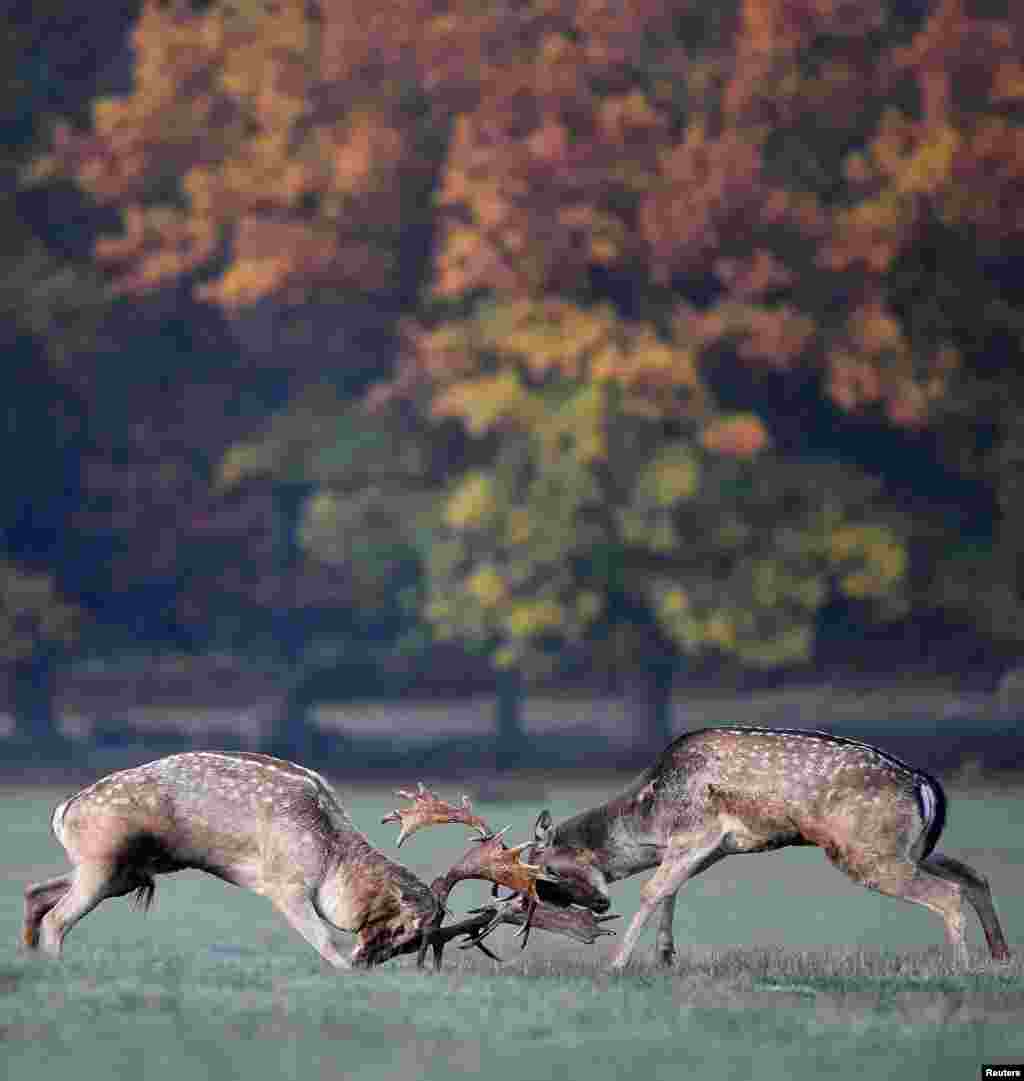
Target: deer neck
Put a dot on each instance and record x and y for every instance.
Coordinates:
(364, 887)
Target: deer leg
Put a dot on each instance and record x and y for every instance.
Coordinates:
(678, 865)
(975, 888)
(90, 883)
(666, 947)
(39, 899)
(914, 883)
(298, 909)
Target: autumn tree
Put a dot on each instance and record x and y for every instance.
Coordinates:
(632, 206)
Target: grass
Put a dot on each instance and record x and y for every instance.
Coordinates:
(787, 970)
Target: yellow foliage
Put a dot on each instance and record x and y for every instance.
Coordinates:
(534, 617)
(720, 630)
(879, 558)
(505, 657)
(472, 502)
(603, 250)
(198, 185)
(883, 214)
(859, 585)
(322, 507)
(588, 606)
(584, 419)
(873, 328)
(483, 402)
(519, 528)
(438, 610)
(554, 336)
(845, 544)
(244, 460)
(487, 586)
(929, 168)
(248, 280)
(671, 476)
(674, 601)
(107, 113)
(553, 48)
(888, 560)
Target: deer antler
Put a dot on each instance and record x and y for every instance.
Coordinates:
(575, 922)
(492, 860)
(429, 809)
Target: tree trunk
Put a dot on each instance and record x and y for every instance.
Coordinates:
(511, 740)
(648, 692)
(35, 680)
(295, 736)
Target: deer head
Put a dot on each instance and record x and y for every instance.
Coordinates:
(578, 880)
(400, 926)
(491, 860)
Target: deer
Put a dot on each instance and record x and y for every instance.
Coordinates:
(723, 791)
(278, 829)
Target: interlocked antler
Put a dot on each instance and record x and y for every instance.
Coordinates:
(491, 860)
(574, 922)
(579, 923)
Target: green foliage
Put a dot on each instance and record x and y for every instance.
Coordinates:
(672, 475)
(499, 557)
(728, 556)
(757, 560)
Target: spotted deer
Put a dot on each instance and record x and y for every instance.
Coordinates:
(278, 829)
(722, 791)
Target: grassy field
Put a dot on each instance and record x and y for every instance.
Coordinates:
(786, 970)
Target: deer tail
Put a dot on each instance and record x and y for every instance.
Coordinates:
(57, 818)
(144, 895)
(932, 803)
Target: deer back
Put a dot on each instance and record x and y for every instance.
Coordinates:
(790, 786)
(257, 821)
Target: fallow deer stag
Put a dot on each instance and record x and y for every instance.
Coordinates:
(277, 829)
(721, 791)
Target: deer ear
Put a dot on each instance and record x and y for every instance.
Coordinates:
(544, 830)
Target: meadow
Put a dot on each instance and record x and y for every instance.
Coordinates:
(786, 969)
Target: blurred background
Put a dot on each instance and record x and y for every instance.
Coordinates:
(486, 387)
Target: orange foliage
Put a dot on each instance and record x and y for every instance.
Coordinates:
(737, 437)
(771, 146)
